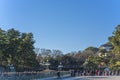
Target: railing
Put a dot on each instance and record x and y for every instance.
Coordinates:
(29, 75)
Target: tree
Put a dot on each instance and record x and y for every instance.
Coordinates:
(91, 63)
(115, 40)
(3, 45)
(27, 56)
(68, 61)
(92, 49)
(12, 49)
(17, 48)
(114, 62)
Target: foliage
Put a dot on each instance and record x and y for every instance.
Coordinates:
(115, 40)
(17, 48)
(89, 57)
(91, 63)
(93, 49)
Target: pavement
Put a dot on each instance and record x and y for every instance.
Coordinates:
(83, 78)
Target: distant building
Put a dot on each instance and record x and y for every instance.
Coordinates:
(106, 46)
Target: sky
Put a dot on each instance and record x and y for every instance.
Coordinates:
(66, 25)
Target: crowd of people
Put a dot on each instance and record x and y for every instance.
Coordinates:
(94, 73)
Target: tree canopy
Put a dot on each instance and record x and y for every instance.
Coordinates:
(115, 40)
(17, 48)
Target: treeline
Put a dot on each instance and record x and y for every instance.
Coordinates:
(69, 60)
(106, 56)
(17, 48)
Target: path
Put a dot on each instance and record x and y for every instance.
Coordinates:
(84, 78)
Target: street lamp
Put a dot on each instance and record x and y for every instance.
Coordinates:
(60, 66)
(11, 67)
(47, 64)
(59, 69)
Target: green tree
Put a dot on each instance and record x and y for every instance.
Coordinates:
(115, 40)
(92, 62)
(3, 46)
(12, 49)
(93, 49)
(26, 55)
(112, 64)
(17, 48)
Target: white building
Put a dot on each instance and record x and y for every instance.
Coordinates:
(107, 47)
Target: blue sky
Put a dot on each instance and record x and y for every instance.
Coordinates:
(67, 25)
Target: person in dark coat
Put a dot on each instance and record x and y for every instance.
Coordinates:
(58, 74)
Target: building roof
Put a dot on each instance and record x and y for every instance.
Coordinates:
(107, 45)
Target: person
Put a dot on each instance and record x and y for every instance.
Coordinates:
(74, 73)
(71, 73)
(97, 72)
(78, 71)
(58, 74)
